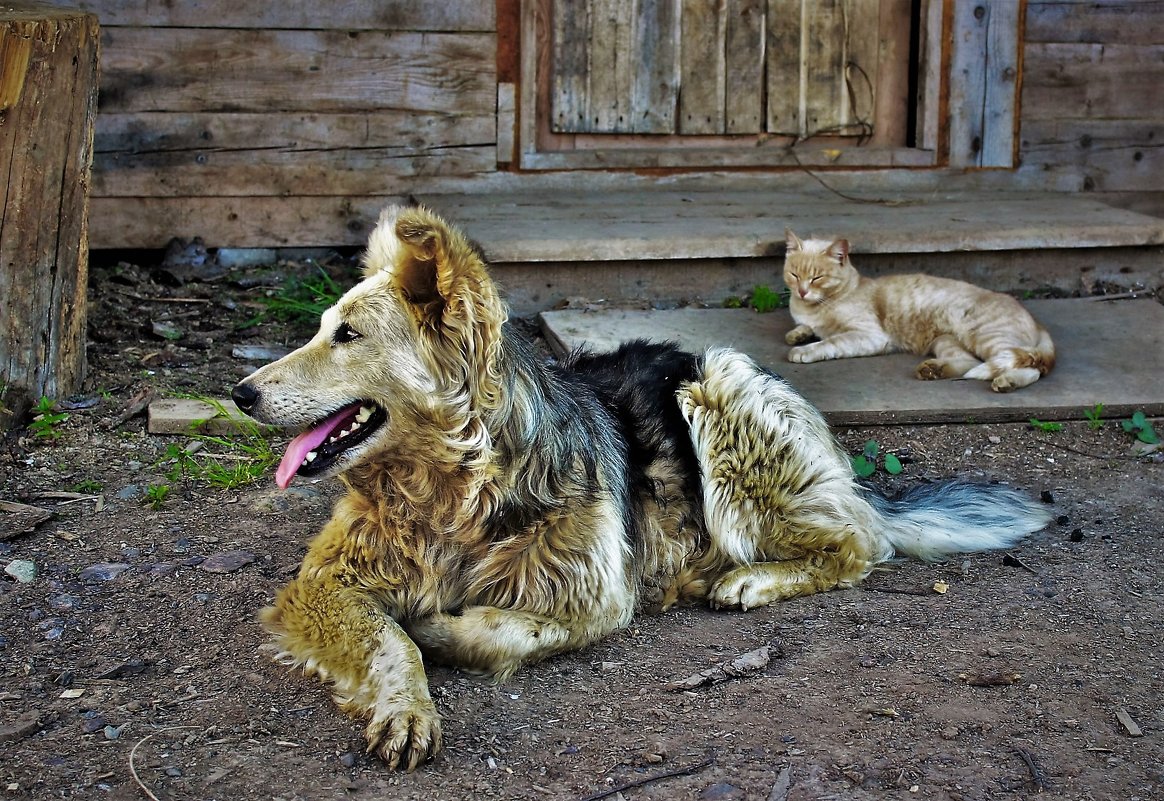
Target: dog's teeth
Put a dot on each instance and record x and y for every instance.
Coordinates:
(310, 457)
(364, 415)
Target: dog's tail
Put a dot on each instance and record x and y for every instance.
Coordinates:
(935, 521)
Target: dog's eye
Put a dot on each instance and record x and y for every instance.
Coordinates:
(345, 333)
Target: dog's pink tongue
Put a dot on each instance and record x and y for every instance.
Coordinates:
(303, 444)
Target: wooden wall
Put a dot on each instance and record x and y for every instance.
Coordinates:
(283, 123)
(1093, 100)
(291, 124)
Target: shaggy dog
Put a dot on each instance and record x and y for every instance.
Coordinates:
(501, 509)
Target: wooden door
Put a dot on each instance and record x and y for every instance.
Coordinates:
(675, 74)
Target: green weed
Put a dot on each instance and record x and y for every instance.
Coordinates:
(1047, 427)
(1141, 428)
(226, 462)
(765, 299)
(155, 495)
(87, 486)
(865, 463)
(1094, 417)
(302, 300)
(46, 419)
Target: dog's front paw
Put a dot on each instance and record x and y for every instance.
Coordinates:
(744, 588)
(405, 734)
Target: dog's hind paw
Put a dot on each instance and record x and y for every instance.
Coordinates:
(405, 734)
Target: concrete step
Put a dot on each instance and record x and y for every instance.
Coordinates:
(668, 246)
(1108, 351)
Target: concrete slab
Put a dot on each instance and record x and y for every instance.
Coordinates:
(1109, 352)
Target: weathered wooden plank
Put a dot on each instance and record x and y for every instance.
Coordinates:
(1092, 81)
(157, 153)
(1105, 155)
(1092, 338)
(512, 230)
(1003, 53)
(968, 81)
(383, 15)
(930, 74)
(1127, 22)
(783, 67)
(771, 155)
(823, 64)
(203, 70)
(701, 67)
(506, 123)
(864, 51)
(611, 53)
(891, 96)
(49, 100)
(570, 64)
(655, 91)
(744, 66)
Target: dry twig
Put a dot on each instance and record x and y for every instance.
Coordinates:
(684, 771)
(133, 752)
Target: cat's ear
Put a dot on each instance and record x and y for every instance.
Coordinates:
(792, 241)
(839, 250)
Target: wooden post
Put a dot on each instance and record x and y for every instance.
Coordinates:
(48, 101)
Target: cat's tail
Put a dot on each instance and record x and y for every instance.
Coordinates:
(935, 521)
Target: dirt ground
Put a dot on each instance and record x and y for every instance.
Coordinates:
(129, 665)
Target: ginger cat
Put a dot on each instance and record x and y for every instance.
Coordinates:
(970, 332)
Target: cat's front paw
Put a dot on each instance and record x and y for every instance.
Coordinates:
(798, 335)
(803, 355)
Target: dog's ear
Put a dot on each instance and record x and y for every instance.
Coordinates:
(383, 246)
(436, 266)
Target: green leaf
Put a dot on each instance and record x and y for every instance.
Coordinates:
(1139, 420)
(764, 299)
(1127, 426)
(871, 449)
(1045, 426)
(863, 467)
(1148, 436)
(892, 464)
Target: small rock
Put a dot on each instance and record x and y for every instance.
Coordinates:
(995, 440)
(349, 759)
(130, 667)
(246, 257)
(950, 733)
(128, 493)
(103, 571)
(259, 353)
(113, 732)
(227, 562)
(721, 791)
(174, 772)
(24, 726)
(93, 724)
(161, 569)
(65, 603)
(22, 570)
(164, 329)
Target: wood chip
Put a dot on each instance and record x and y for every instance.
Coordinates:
(741, 665)
(782, 786)
(1130, 726)
(20, 518)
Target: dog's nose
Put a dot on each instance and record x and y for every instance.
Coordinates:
(244, 396)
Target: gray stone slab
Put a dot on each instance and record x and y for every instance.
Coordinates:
(1109, 352)
(650, 225)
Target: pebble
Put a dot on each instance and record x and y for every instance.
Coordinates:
(227, 561)
(348, 759)
(65, 603)
(22, 570)
(24, 726)
(93, 724)
(113, 732)
(128, 493)
(103, 571)
(161, 569)
(721, 791)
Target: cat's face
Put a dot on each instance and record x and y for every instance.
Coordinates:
(816, 270)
